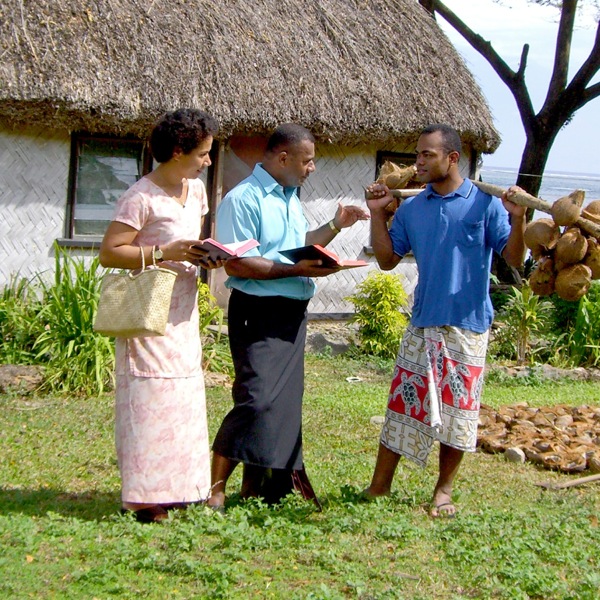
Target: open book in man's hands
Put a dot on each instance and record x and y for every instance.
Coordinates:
(218, 251)
(316, 252)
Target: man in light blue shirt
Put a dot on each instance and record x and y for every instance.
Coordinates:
(267, 317)
(452, 228)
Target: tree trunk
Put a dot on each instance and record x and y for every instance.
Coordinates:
(534, 158)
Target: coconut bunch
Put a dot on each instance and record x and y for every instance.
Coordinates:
(560, 437)
(568, 257)
(396, 177)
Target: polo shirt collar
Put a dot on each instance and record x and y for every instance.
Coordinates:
(463, 190)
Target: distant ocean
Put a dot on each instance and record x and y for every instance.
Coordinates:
(554, 185)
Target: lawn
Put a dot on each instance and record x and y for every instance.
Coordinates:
(61, 535)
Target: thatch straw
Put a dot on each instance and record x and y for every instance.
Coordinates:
(351, 70)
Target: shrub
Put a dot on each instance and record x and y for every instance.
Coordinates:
(215, 351)
(19, 324)
(378, 302)
(77, 358)
(524, 316)
(582, 340)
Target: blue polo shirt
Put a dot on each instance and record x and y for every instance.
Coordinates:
(452, 238)
(260, 208)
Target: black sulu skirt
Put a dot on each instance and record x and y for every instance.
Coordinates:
(267, 337)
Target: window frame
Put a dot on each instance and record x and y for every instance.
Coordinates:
(71, 239)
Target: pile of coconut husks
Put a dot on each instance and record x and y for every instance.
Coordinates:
(562, 438)
(566, 247)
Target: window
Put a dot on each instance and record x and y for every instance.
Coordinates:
(102, 169)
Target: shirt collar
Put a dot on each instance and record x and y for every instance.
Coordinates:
(269, 184)
(463, 190)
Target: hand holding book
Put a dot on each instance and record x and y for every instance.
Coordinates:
(328, 258)
(217, 251)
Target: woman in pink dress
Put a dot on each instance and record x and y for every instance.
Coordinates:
(160, 423)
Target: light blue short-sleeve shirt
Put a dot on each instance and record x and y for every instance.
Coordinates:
(453, 238)
(260, 208)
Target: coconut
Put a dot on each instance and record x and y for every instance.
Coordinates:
(573, 282)
(592, 212)
(571, 247)
(566, 210)
(541, 234)
(592, 257)
(542, 277)
(395, 176)
(593, 207)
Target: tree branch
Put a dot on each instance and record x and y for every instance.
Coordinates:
(515, 81)
(560, 71)
(589, 68)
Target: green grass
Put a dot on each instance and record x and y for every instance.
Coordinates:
(61, 535)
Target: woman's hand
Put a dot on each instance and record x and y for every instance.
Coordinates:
(185, 251)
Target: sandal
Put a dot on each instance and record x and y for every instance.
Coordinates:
(445, 510)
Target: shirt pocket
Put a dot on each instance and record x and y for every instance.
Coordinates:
(471, 233)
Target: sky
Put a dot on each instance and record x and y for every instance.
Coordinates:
(508, 25)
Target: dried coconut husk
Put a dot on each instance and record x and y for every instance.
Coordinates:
(594, 462)
(542, 277)
(541, 234)
(573, 282)
(566, 210)
(571, 247)
(592, 257)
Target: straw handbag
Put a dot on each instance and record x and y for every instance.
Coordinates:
(135, 305)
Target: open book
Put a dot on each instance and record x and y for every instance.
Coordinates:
(218, 251)
(316, 252)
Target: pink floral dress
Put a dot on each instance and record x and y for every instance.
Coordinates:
(160, 423)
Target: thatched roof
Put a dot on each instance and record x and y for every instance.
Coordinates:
(351, 70)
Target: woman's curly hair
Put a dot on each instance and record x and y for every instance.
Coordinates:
(182, 129)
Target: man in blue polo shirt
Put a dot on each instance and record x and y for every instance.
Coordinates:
(267, 315)
(452, 228)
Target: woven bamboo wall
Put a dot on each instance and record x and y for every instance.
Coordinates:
(34, 167)
(341, 176)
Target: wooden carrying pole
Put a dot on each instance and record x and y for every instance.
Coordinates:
(550, 485)
(406, 193)
(529, 201)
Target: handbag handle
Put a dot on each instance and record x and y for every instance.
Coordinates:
(131, 274)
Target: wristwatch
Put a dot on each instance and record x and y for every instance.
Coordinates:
(158, 254)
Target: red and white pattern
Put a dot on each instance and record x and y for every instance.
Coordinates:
(435, 392)
(160, 426)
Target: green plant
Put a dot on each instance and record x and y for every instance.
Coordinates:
(215, 352)
(524, 316)
(582, 341)
(78, 359)
(378, 302)
(19, 324)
